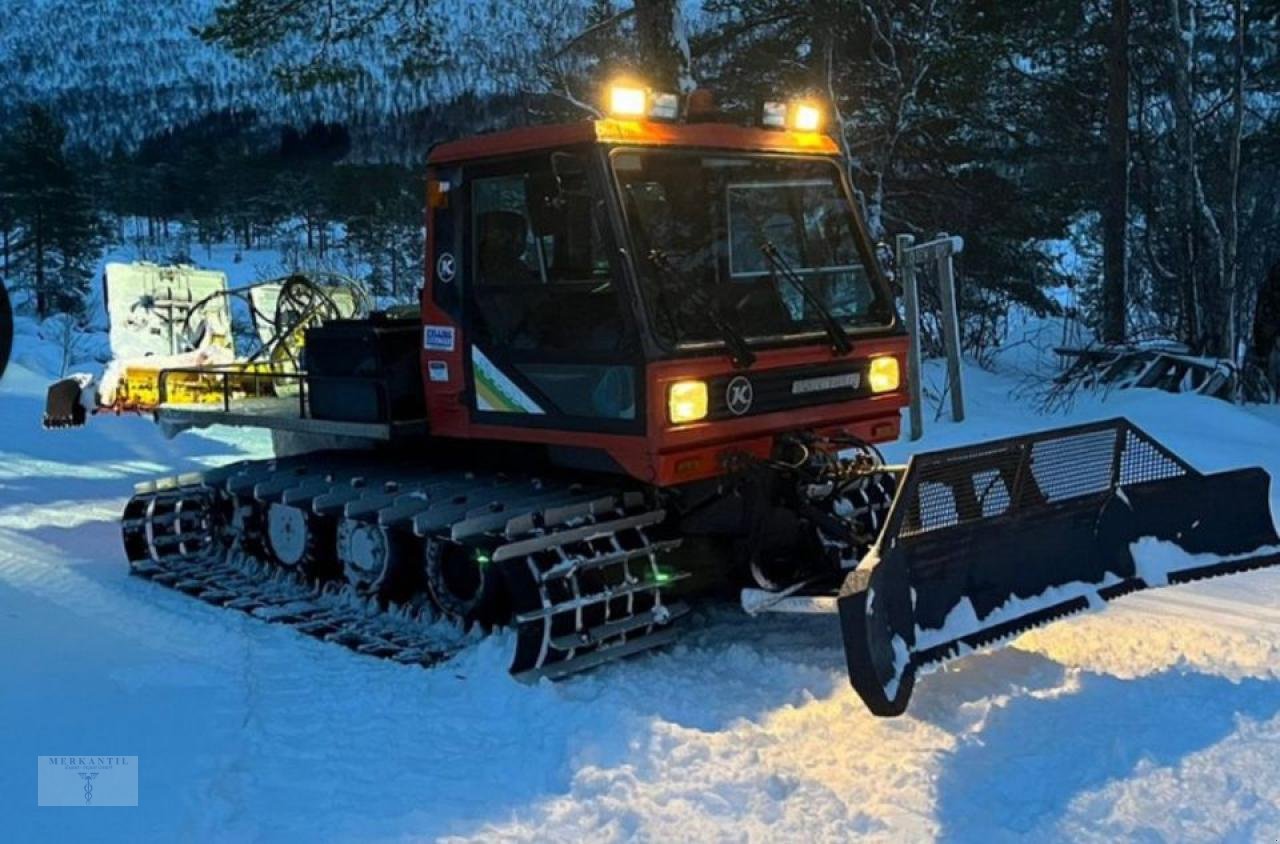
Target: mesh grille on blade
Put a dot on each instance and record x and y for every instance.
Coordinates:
(1143, 460)
(1020, 475)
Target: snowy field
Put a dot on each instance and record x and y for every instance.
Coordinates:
(1157, 720)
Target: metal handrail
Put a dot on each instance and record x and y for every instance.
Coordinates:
(224, 372)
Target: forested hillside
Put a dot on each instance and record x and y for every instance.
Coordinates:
(1142, 139)
(116, 71)
(119, 71)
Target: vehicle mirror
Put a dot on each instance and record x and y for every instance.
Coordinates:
(887, 260)
(544, 202)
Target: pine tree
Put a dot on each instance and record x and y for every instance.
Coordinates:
(57, 231)
(960, 116)
(381, 211)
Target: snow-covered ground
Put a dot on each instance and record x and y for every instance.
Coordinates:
(1157, 720)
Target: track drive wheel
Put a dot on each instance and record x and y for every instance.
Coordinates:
(463, 583)
(301, 541)
(378, 561)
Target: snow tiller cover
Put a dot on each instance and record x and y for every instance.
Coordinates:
(986, 541)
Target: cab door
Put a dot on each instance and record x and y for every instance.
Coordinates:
(550, 338)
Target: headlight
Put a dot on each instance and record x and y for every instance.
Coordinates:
(884, 375)
(687, 401)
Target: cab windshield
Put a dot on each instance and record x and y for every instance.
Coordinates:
(716, 237)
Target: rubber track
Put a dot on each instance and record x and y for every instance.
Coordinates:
(564, 546)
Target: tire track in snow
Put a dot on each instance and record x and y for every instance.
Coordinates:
(60, 514)
(22, 467)
(119, 603)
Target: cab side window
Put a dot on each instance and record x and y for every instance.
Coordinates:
(502, 234)
(543, 280)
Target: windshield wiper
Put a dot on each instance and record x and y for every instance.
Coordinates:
(739, 350)
(839, 340)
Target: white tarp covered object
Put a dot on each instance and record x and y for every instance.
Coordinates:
(155, 310)
(177, 316)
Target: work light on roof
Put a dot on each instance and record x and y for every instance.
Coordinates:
(774, 115)
(664, 106)
(627, 100)
(797, 115)
(631, 100)
(806, 117)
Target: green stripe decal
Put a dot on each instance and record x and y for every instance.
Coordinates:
(496, 392)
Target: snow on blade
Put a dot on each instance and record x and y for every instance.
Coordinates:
(1156, 559)
(963, 620)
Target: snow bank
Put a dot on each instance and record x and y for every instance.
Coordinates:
(1157, 720)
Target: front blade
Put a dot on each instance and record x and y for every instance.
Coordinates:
(987, 541)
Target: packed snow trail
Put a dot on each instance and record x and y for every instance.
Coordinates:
(1157, 719)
